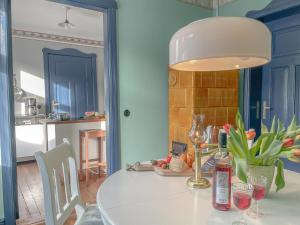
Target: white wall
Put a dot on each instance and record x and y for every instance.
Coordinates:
(28, 65)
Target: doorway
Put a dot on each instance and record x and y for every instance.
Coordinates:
(111, 107)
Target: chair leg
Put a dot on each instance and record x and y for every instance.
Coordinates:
(87, 164)
(80, 158)
(99, 154)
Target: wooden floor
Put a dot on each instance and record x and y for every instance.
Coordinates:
(30, 194)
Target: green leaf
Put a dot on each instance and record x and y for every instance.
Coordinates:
(279, 180)
(241, 169)
(273, 127)
(239, 122)
(293, 125)
(280, 127)
(266, 142)
(237, 142)
(286, 154)
(264, 128)
(273, 150)
(244, 141)
(235, 148)
(290, 134)
(256, 146)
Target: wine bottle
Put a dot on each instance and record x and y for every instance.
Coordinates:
(222, 176)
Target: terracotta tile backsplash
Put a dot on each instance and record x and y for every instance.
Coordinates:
(214, 94)
(208, 79)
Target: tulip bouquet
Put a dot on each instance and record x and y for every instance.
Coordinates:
(267, 150)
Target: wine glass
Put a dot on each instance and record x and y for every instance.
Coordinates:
(242, 194)
(259, 192)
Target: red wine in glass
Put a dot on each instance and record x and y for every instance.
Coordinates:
(259, 192)
(242, 200)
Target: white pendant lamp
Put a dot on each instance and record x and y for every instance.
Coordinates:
(220, 43)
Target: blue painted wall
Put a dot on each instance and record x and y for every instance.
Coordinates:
(144, 30)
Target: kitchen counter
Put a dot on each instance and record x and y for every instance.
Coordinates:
(21, 120)
(92, 119)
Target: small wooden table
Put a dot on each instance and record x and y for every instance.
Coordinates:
(84, 136)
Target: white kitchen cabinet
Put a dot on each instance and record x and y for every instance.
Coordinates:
(29, 139)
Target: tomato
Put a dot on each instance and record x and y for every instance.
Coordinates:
(164, 166)
(168, 159)
(183, 157)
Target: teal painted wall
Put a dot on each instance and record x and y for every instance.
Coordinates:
(241, 7)
(144, 30)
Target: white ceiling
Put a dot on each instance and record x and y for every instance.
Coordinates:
(43, 16)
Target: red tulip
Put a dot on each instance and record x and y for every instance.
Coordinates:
(288, 142)
(296, 152)
(227, 127)
(250, 134)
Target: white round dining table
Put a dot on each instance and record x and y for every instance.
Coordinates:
(146, 198)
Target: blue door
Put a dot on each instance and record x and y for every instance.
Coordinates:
(71, 85)
(255, 91)
(281, 77)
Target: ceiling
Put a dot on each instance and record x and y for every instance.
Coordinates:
(209, 4)
(43, 16)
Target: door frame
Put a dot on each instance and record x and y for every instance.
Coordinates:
(7, 120)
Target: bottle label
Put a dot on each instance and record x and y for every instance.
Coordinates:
(222, 187)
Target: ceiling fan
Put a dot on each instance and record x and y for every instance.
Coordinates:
(66, 24)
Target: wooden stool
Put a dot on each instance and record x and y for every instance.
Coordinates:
(84, 136)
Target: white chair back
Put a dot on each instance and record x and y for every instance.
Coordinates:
(60, 198)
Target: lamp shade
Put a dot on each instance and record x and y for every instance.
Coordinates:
(221, 43)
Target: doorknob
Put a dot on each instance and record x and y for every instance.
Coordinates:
(256, 108)
(265, 108)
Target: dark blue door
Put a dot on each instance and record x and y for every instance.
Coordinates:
(70, 82)
(255, 80)
(281, 77)
(278, 89)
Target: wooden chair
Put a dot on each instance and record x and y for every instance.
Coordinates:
(60, 202)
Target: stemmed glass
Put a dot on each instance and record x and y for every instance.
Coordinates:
(198, 136)
(242, 194)
(259, 192)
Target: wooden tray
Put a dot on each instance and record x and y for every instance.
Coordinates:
(187, 173)
(168, 172)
